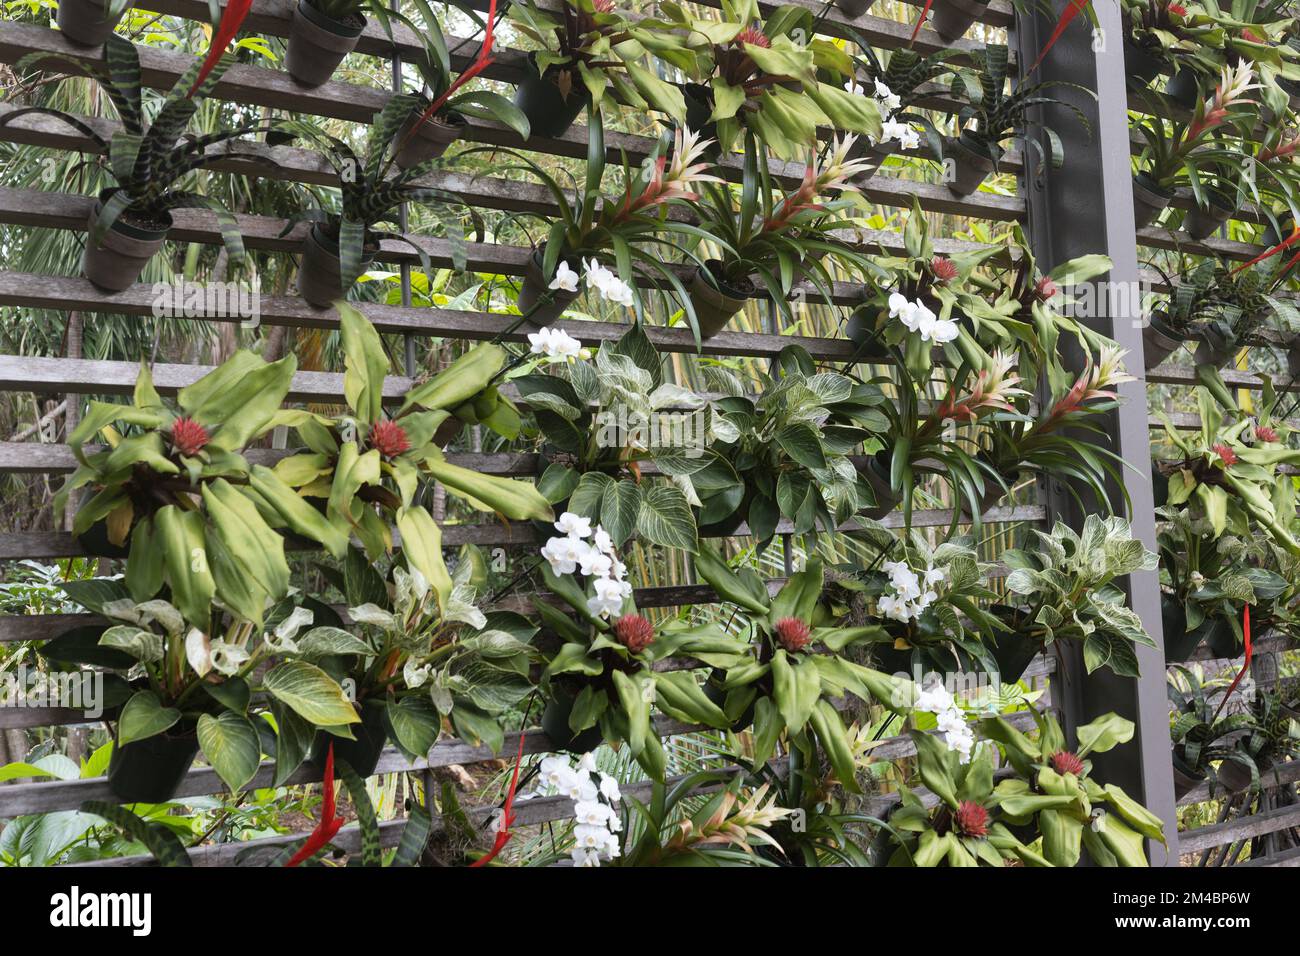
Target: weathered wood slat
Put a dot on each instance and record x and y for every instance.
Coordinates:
(62, 292)
(1285, 775)
(61, 544)
(1239, 828)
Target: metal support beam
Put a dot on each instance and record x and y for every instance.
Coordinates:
(1086, 206)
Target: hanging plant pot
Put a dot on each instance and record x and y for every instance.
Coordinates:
(853, 8)
(876, 473)
(318, 44)
(1233, 776)
(714, 692)
(1182, 87)
(95, 540)
(699, 107)
(1139, 65)
(1271, 237)
(1202, 223)
(1149, 200)
(716, 300)
(1215, 349)
(429, 140)
(952, 18)
(873, 155)
(971, 164)
(534, 287)
(550, 112)
(152, 770)
(1180, 644)
(85, 21)
(1185, 778)
(555, 724)
(1013, 651)
(320, 277)
(862, 329)
(1159, 340)
(362, 754)
(1222, 640)
(115, 262)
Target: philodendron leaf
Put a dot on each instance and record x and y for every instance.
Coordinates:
(144, 716)
(312, 693)
(145, 646)
(413, 724)
(666, 518)
(230, 743)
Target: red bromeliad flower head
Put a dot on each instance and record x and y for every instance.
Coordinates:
(1045, 289)
(1226, 455)
(634, 632)
(1065, 762)
(389, 439)
(752, 35)
(188, 436)
(971, 819)
(943, 269)
(1264, 433)
(1177, 9)
(793, 634)
(1250, 36)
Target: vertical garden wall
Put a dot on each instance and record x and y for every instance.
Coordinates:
(912, 419)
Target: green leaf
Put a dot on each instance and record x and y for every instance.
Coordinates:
(666, 518)
(620, 506)
(231, 745)
(413, 724)
(144, 716)
(365, 364)
(312, 693)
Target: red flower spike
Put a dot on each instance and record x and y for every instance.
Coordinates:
(943, 269)
(481, 63)
(1245, 664)
(634, 632)
(1269, 253)
(507, 814)
(1046, 288)
(1065, 762)
(1075, 8)
(1226, 454)
(1250, 36)
(1178, 9)
(1264, 433)
(751, 35)
(231, 20)
(793, 634)
(925, 12)
(188, 436)
(329, 825)
(389, 438)
(971, 819)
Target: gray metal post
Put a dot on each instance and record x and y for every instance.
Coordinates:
(1087, 207)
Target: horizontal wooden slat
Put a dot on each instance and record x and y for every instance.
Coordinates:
(1239, 828)
(1285, 775)
(61, 292)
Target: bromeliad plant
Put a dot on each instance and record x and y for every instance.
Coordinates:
(363, 469)
(1231, 466)
(770, 239)
(600, 420)
(340, 244)
(996, 114)
(149, 160)
(1204, 737)
(1064, 590)
(173, 493)
(766, 78)
(184, 686)
(592, 51)
(601, 680)
(794, 668)
(785, 453)
(1053, 792)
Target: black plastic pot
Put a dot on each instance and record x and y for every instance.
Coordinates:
(318, 44)
(428, 141)
(699, 107)
(1202, 223)
(555, 724)
(84, 21)
(1185, 778)
(1233, 776)
(95, 541)
(1149, 200)
(1182, 87)
(714, 300)
(152, 770)
(1222, 640)
(115, 263)
(1159, 341)
(873, 155)
(361, 754)
(853, 8)
(534, 287)
(1139, 65)
(1180, 644)
(1215, 351)
(952, 18)
(549, 112)
(1014, 651)
(862, 330)
(320, 277)
(714, 692)
(877, 475)
(971, 164)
